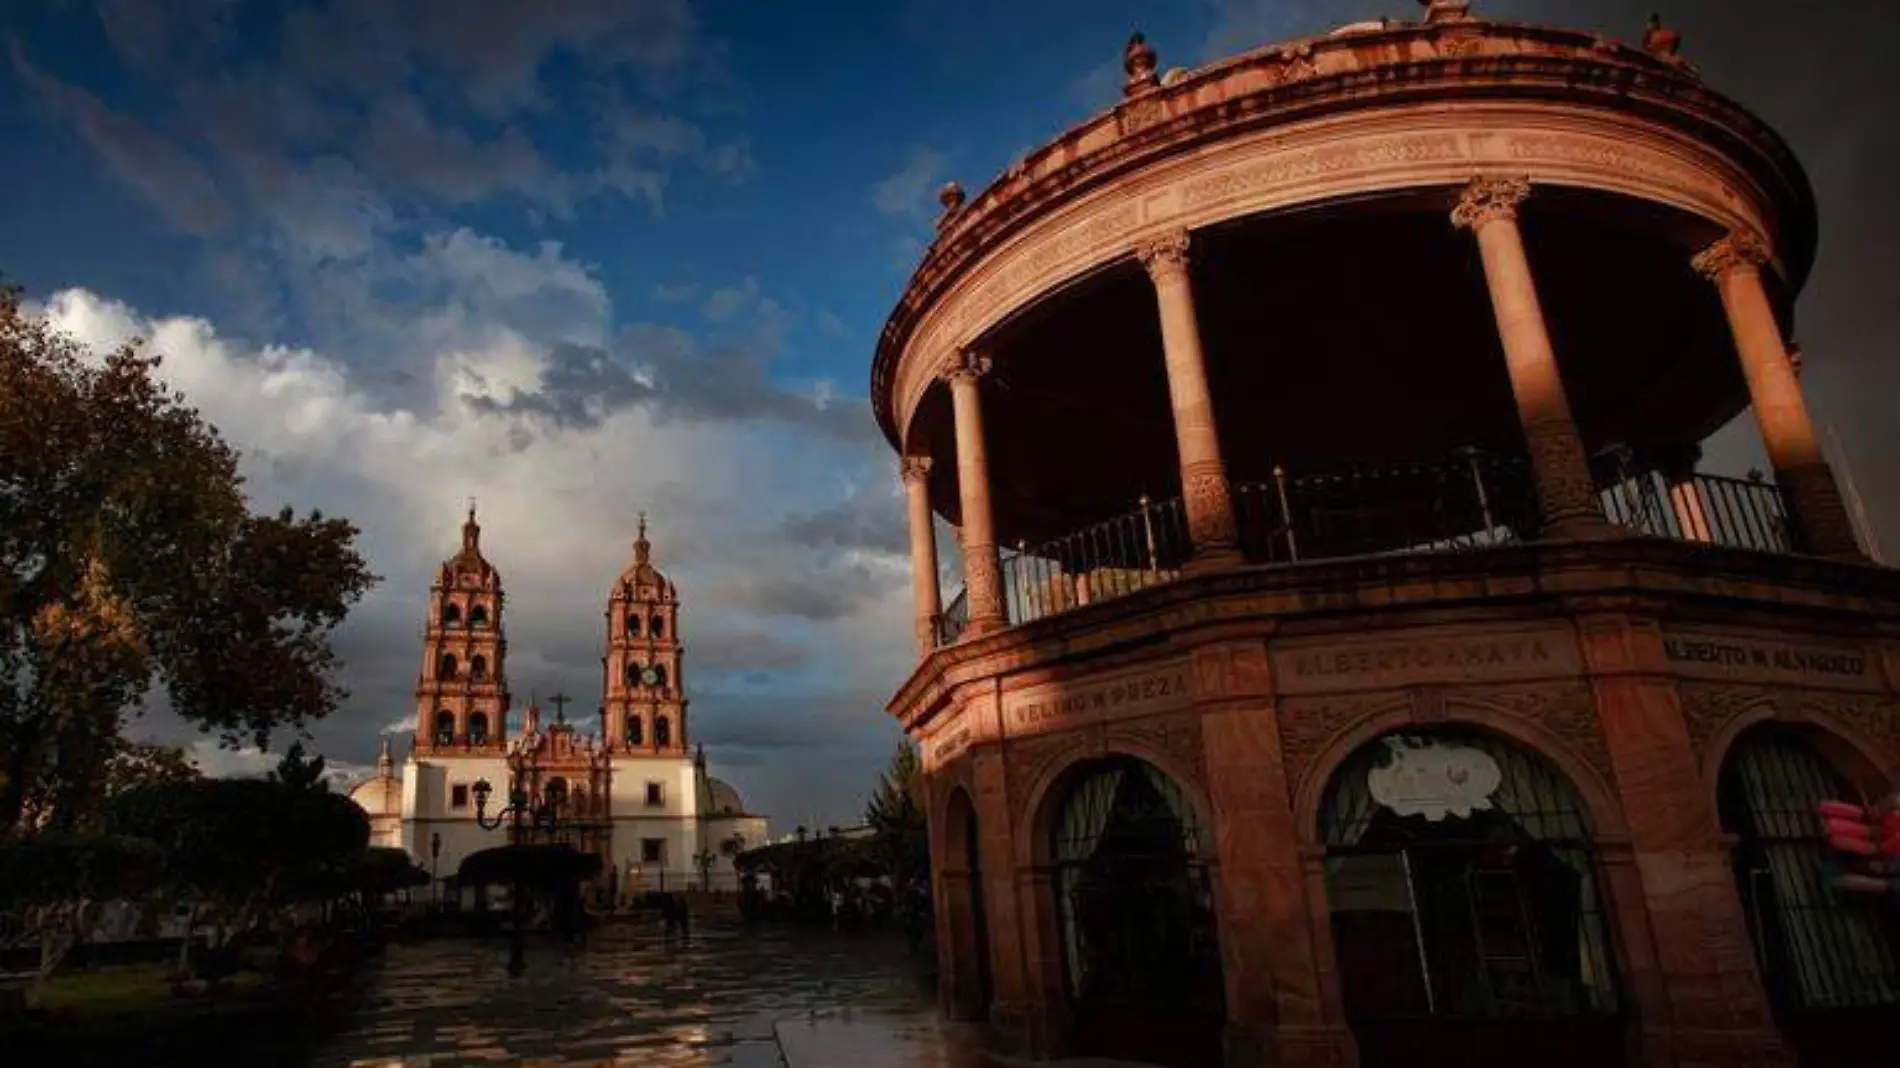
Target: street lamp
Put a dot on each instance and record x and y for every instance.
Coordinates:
(435, 854)
(519, 810)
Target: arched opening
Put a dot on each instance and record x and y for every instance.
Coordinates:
(659, 676)
(636, 731)
(451, 615)
(1467, 917)
(662, 731)
(478, 616)
(632, 673)
(478, 667)
(969, 929)
(448, 667)
(633, 624)
(1828, 960)
(444, 727)
(657, 626)
(477, 728)
(1135, 909)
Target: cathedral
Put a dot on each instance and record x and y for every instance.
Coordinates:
(633, 789)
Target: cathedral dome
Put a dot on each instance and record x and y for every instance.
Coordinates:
(725, 801)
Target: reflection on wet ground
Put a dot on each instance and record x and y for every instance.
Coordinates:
(634, 997)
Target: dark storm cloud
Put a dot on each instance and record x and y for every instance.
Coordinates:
(819, 595)
(873, 521)
(667, 370)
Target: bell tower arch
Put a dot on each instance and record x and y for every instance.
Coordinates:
(462, 693)
(644, 682)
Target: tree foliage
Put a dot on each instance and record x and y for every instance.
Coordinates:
(128, 557)
(240, 849)
(896, 816)
(52, 886)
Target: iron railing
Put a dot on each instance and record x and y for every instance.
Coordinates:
(1740, 513)
(1473, 501)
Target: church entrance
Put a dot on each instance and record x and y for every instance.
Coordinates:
(1466, 916)
(1136, 910)
(1828, 960)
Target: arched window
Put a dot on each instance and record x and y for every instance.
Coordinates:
(659, 675)
(448, 666)
(1819, 951)
(1135, 909)
(477, 728)
(636, 733)
(478, 616)
(444, 727)
(478, 667)
(657, 626)
(662, 731)
(451, 615)
(633, 624)
(633, 673)
(1463, 886)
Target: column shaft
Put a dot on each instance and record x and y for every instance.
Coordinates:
(1204, 485)
(982, 567)
(1774, 391)
(925, 592)
(1565, 490)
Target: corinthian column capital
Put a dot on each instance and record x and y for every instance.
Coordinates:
(1166, 256)
(1741, 248)
(915, 469)
(1489, 198)
(969, 364)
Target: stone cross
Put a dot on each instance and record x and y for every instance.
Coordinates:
(559, 701)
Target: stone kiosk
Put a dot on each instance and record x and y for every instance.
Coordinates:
(1351, 664)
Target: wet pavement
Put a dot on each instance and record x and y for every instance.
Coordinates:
(635, 997)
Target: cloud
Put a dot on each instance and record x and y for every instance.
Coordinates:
(170, 178)
(873, 521)
(562, 441)
(726, 302)
(906, 192)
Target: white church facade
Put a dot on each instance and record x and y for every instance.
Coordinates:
(633, 789)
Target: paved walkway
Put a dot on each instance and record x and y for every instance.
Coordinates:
(631, 998)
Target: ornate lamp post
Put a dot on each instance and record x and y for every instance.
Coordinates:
(519, 811)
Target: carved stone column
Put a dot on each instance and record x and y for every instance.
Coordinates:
(923, 553)
(982, 567)
(1677, 467)
(1774, 390)
(1565, 490)
(1204, 486)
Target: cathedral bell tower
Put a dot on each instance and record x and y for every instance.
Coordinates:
(462, 694)
(645, 706)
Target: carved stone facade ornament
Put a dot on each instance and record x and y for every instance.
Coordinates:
(1741, 248)
(1562, 471)
(1307, 724)
(1138, 63)
(1165, 257)
(1566, 712)
(1210, 508)
(1490, 198)
(1178, 736)
(968, 365)
(1434, 780)
(915, 469)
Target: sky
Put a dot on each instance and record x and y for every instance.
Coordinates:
(579, 259)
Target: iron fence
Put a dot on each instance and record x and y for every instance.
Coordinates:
(1739, 513)
(1473, 501)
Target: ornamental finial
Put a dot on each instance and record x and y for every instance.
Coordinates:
(1139, 61)
(1663, 42)
(1446, 10)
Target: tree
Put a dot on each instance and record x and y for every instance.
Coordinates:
(128, 557)
(135, 764)
(300, 772)
(241, 849)
(52, 886)
(896, 817)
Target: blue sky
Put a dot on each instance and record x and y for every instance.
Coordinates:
(579, 259)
